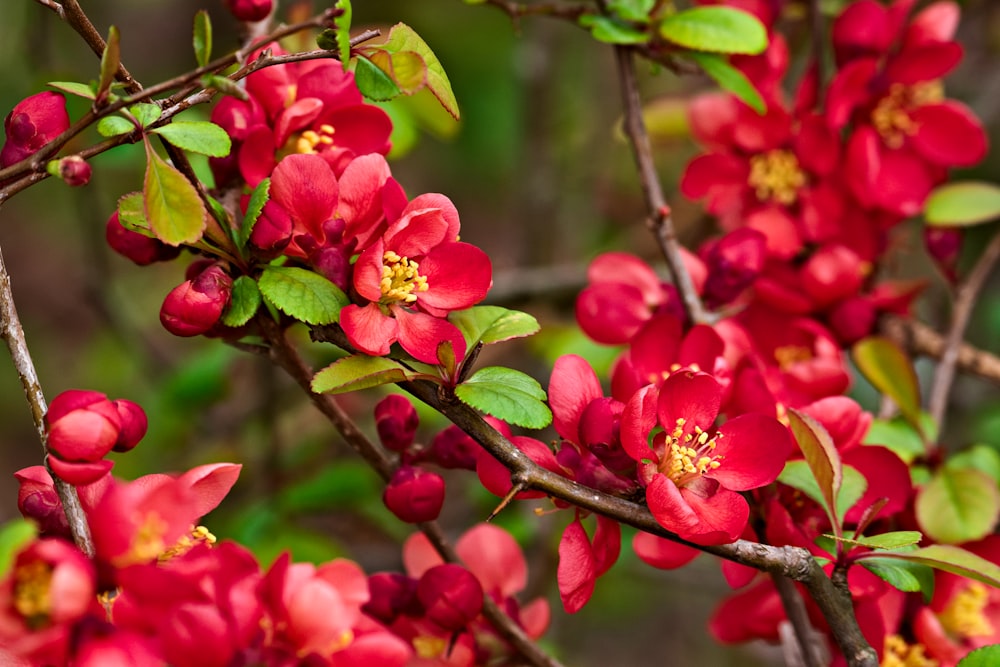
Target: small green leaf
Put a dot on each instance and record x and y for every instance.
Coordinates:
(73, 88)
(730, 79)
(893, 540)
(14, 536)
(373, 82)
(358, 371)
(403, 38)
(963, 204)
(492, 324)
(898, 435)
(112, 126)
(145, 113)
(225, 85)
(202, 37)
(243, 303)
(632, 10)
(327, 39)
(823, 458)
(983, 458)
(958, 506)
(986, 656)
(797, 475)
(716, 29)
(890, 371)
(110, 60)
(506, 394)
(907, 577)
(611, 30)
(258, 198)
(302, 294)
(198, 136)
(175, 212)
(132, 214)
(949, 558)
(343, 25)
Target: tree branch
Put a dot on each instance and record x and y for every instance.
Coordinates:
(923, 340)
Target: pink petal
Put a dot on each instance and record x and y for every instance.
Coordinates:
(369, 329)
(458, 276)
(848, 90)
(611, 313)
(638, 419)
(329, 82)
(490, 553)
(256, 158)
(752, 450)
(714, 175)
(572, 387)
(924, 63)
(607, 544)
(368, 271)
(576, 572)
(305, 187)
(210, 484)
(949, 134)
(903, 182)
(779, 229)
(662, 553)
(716, 519)
(296, 117)
(654, 348)
(419, 555)
(937, 22)
(360, 202)
(420, 334)
(712, 117)
(693, 397)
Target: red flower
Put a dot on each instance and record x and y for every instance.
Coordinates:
(412, 277)
(693, 472)
(195, 306)
(34, 122)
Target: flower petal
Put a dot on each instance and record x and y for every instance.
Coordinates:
(572, 387)
(752, 450)
(949, 134)
(692, 397)
(576, 573)
(369, 329)
(420, 334)
(458, 276)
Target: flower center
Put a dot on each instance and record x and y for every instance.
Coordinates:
(964, 617)
(900, 654)
(429, 647)
(776, 176)
(400, 279)
(148, 544)
(310, 140)
(31, 592)
(789, 355)
(197, 535)
(891, 116)
(657, 377)
(689, 455)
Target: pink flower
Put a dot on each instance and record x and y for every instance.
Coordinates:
(34, 122)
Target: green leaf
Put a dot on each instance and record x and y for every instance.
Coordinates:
(983, 458)
(893, 540)
(492, 324)
(907, 577)
(258, 198)
(632, 10)
(716, 29)
(963, 204)
(172, 206)
(73, 88)
(202, 40)
(373, 82)
(506, 394)
(403, 38)
(302, 294)
(132, 214)
(611, 30)
(327, 40)
(145, 113)
(358, 371)
(890, 371)
(823, 458)
(224, 85)
(797, 475)
(898, 435)
(958, 506)
(243, 303)
(14, 536)
(730, 79)
(949, 558)
(110, 60)
(986, 656)
(198, 136)
(343, 25)
(406, 69)
(112, 126)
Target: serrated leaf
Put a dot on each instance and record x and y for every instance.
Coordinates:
(403, 38)
(952, 559)
(890, 371)
(73, 88)
(632, 10)
(506, 394)
(893, 540)
(730, 79)
(797, 474)
(302, 294)
(225, 85)
(983, 458)
(202, 39)
(958, 506)
(716, 29)
(145, 113)
(358, 371)
(110, 60)
(898, 435)
(243, 303)
(492, 324)
(373, 82)
(610, 30)
(132, 214)
(343, 25)
(907, 577)
(198, 136)
(112, 126)
(14, 536)
(963, 204)
(823, 458)
(260, 195)
(172, 206)
(986, 656)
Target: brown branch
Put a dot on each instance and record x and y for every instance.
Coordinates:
(923, 340)
(965, 300)
(13, 335)
(798, 617)
(661, 221)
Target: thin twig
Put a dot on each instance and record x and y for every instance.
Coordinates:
(660, 217)
(921, 339)
(965, 300)
(13, 335)
(798, 617)
(54, 6)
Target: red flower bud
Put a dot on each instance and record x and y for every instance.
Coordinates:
(414, 495)
(451, 595)
(134, 424)
(396, 421)
(83, 426)
(250, 10)
(392, 594)
(34, 122)
(137, 247)
(195, 306)
(833, 273)
(733, 263)
(852, 319)
(944, 245)
(37, 500)
(73, 170)
(453, 448)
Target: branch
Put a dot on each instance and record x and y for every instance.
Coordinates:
(923, 340)
(965, 300)
(74, 15)
(660, 219)
(13, 335)
(798, 617)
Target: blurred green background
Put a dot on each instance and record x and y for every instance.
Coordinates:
(543, 181)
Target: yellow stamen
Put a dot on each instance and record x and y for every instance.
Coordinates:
(400, 279)
(891, 116)
(198, 535)
(689, 455)
(310, 140)
(429, 647)
(31, 592)
(964, 617)
(898, 653)
(776, 176)
(148, 543)
(791, 354)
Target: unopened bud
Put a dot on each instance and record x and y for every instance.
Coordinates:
(451, 595)
(414, 495)
(83, 426)
(37, 500)
(134, 424)
(73, 170)
(733, 263)
(141, 249)
(396, 422)
(833, 273)
(250, 10)
(392, 594)
(195, 306)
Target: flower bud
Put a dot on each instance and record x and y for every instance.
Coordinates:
(733, 263)
(37, 500)
(833, 273)
(453, 448)
(451, 595)
(134, 424)
(34, 122)
(79, 474)
(250, 10)
(141, 249)
(195, 306)
(414, 495)
(396, 422)
(83, 426)
(944, 245)
(852, 319)
(392, 594)
(73, 170)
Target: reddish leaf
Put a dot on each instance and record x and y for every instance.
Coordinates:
(823, 459)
